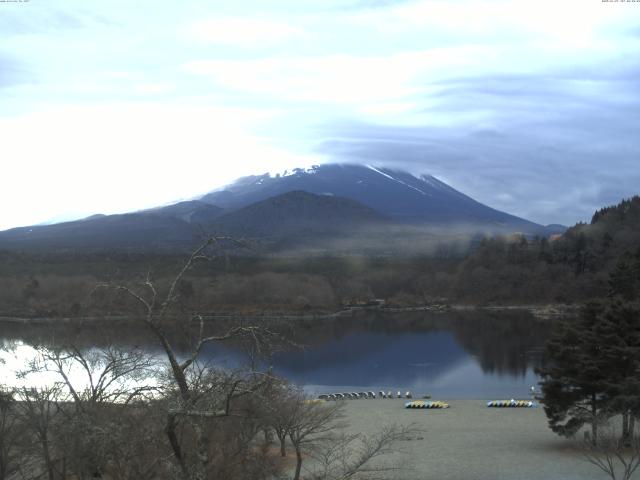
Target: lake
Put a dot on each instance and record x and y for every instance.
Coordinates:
(453, 355)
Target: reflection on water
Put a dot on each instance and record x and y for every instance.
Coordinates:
(455, 355)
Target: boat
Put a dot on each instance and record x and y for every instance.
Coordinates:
(425, 404)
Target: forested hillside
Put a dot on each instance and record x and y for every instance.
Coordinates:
(568, 268)
(571, 268)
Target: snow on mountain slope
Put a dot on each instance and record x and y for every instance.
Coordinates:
(396, 194)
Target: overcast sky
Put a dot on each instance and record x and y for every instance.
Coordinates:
(532, 107)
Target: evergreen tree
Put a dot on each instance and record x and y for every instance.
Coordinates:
(574, 379)
(593, 364)
(619, 331)
(621, 335)
(624, 280)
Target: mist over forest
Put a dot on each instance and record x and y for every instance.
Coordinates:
(326, 275)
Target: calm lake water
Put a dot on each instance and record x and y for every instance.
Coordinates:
(452, 355)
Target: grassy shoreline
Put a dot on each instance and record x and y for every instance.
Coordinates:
(472, 442)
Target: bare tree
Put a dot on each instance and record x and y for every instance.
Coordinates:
(10, 435)
(97, 375)
(617, 457)
(188, 379)
(312, 423)
(39, 410)
(317, 431)
(356, 456)
(280, 401)
(137, 448)
(80, 423)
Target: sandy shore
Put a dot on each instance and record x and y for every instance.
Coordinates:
(472, 442)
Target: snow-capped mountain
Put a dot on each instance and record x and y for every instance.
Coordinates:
(398, 195)
(321, 202)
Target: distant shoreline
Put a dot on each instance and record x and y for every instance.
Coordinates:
(545, 311)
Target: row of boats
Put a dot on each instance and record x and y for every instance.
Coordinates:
(426, 404)
(493, 403)
(358, 395)
(513, 403)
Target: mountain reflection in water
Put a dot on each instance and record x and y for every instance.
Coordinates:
(451, 355)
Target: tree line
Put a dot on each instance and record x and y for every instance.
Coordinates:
(571, 268)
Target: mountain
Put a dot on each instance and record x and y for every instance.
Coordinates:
(397, 195)
(192, 211)
(286, 219)
(171, 227)
(299, 214)
(364, 203)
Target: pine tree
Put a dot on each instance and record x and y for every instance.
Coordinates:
(619, 329)
(624, 280)
(593, 364)
(574, 379)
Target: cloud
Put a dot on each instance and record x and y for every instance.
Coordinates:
(12, 72)
(551, 149)
(242, 31)
(340, 79)
(371, 4)
(496, 19)
(44, 19)
(531, 107)
(123, 157)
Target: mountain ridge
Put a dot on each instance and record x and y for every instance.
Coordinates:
(398, 195)
(332, 199)
(298, 213)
